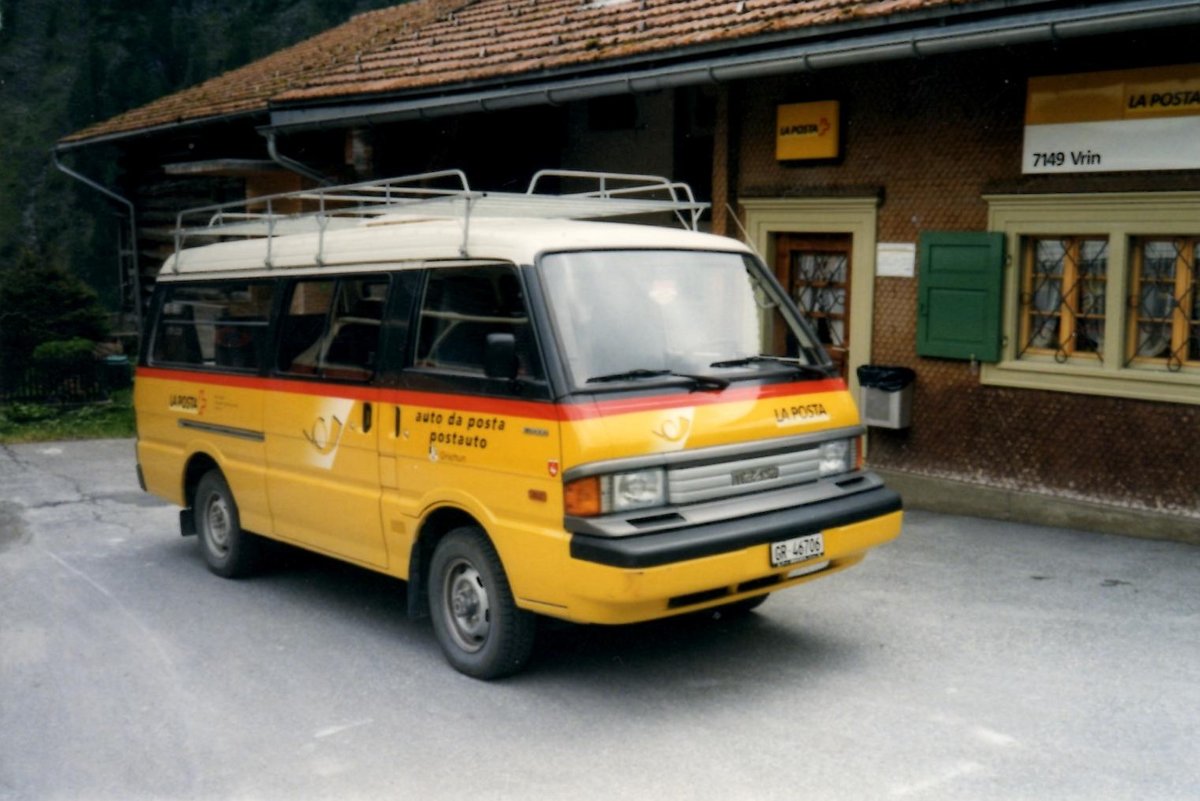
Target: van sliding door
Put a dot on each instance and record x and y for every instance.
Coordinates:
(322, 418)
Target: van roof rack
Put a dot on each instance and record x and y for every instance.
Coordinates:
(444, 193)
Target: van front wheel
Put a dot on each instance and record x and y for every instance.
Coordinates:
(228, 550)
(477, 623)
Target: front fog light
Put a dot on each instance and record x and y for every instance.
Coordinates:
(837, 456)
(638, 490)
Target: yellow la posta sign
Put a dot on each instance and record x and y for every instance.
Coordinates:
(806, 131)
(1140, 119)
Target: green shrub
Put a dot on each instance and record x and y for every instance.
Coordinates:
(64, 354)
(67, 367)
(42, 301)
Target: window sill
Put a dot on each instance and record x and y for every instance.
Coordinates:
(1141, 383)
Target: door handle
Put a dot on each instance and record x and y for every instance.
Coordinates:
(367, 417)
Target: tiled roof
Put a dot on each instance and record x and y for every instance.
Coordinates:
(506, 38)
(249, 89)
(427, 44)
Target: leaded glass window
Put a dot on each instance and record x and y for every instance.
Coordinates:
(1065, 282)
(1164, 321)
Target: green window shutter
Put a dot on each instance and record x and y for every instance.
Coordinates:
(959, 295)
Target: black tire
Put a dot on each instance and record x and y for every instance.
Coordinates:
(228, 550)
(481, 631)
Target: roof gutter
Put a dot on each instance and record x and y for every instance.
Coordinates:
(290, 163)
(929, 40)
(121, 137)
(129, 208)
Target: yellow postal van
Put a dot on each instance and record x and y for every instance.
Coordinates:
(519, 410)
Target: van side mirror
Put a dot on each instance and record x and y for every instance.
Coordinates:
(500, 356)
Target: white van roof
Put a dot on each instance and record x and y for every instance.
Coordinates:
(405, 221)
(396, 240)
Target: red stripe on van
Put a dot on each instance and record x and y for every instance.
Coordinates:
(608, 408)
(584, 410)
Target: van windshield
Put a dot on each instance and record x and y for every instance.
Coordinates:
(644, 315)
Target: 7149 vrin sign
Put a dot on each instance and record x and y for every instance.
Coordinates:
(1147, 119)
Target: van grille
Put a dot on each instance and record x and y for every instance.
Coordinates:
(730, 479)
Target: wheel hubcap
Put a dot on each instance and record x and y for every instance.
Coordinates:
(217, 523)
(468, 612)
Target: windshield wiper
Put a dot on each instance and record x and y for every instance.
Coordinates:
(701, 381)
(627, 375)
(812, 370)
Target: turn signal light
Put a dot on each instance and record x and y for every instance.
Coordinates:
(581, 498)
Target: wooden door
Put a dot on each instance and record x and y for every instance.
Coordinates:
(815, 270)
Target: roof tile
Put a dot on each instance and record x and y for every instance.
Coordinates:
(427, 44)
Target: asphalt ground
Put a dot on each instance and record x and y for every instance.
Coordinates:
(970, 659)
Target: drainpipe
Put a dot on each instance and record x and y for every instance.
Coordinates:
(133, 252)
(291, 164)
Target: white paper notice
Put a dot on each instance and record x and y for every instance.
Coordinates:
(896, 260)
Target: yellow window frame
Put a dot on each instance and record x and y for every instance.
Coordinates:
(1074, 304)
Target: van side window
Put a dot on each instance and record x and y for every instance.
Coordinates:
(218, 325)
(331, 328)
(461, 307)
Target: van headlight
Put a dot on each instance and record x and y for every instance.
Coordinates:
(616, 492)
(838, 456)
(639, 489)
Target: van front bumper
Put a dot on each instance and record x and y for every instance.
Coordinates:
(632, 579)
(694, 542)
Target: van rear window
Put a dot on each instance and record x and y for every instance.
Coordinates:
(219, 324)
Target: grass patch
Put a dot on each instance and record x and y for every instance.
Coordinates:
(35, 422)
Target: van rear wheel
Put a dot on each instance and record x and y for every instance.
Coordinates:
(228, 550)
(481, 631)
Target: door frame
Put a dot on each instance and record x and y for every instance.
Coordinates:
(856, 216)
(835, 243)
